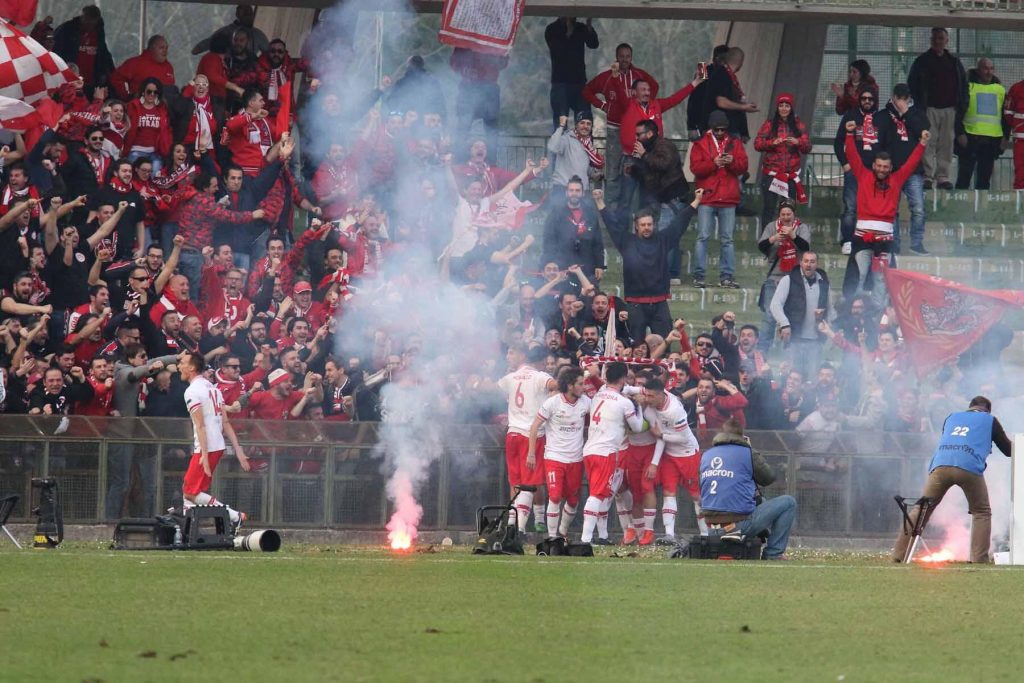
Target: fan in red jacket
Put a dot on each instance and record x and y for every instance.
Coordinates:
(127, 79)
(615, 86)
(642, 107)
(878, 198)
(1013, 112)
(336, 183)
(250, 134)
(717, 162)
(274, 68)
(782, 140)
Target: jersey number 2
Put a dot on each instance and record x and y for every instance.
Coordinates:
(714, 487)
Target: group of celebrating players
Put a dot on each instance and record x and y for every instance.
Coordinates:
(624, 429)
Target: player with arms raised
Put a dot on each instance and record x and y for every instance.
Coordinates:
(609, 416)
(527, 388)
(676, 459)
(564, 417)
(209, 423)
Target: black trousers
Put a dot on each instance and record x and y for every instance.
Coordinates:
(979, 155)
(653, 316)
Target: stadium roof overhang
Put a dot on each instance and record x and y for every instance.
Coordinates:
(996, 15)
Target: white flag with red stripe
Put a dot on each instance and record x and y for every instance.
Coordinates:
(28, 71)
(17, 115)
(609, 333)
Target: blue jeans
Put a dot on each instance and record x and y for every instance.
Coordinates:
(667, 213)
(913, 190)
(848, 223)
(629, 184)
(191, 266)
(167, 233)
(776, 515)
(726, 217)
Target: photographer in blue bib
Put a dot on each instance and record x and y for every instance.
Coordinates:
(959, 460)
(730, 472)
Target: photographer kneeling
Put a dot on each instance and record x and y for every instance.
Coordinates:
(730, 472)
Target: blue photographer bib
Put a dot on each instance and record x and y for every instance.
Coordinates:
(966, 442)
(727, 479)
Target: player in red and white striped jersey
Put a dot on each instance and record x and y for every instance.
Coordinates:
(527, 388)
(610, 415)
(210, 424)
(564, 416)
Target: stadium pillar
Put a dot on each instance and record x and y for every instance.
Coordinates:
(1017, 501)
(778, 58)
(290, 24)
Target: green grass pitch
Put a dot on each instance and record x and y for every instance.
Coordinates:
(83, 613)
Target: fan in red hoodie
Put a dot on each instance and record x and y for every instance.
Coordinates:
(220, 291)
(643, 106)
(878, 198)
(233, 384)
(336, 183)
(250, 134)
(202, 128)
(102, 389)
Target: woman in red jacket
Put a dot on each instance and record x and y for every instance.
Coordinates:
(859, 82)
(782, 140)
(150, 125)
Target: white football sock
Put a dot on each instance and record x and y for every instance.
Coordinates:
(590, 512)
(523, 503)
(649, 515)
(668, 515)
(552, 518)
(568, 514)
(624, 509)
(702, 526)
(638, 524)
(602, 517)
(538, 513)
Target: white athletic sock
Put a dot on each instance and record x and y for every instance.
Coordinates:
(649, 515)
(523, 503)
(568, 514)
(702, 526)
(602, 517)
(552, 518)
(538, 512)
(590, 512)
(638, 524)
(624, 509)
(668, 515)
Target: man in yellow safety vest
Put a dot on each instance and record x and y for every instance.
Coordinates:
(982, 133)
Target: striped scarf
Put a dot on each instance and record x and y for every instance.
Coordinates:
(596, 160)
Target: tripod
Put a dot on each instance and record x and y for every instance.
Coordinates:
(915, 526)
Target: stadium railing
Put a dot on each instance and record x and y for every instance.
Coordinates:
(328, 474)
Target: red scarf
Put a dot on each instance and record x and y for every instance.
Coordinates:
(596, 160)
(869, 134)
(203, 122)
(11, 197)
(118, 186)
(172, 178)
(901, 127)
(735, 82)
(100, 164)
(786, 249)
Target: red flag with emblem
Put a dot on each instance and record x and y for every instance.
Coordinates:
(940, 319)
(283, 121)
(20, 12)
(28, 71)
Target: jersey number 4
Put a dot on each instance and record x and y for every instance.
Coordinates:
(596, 419)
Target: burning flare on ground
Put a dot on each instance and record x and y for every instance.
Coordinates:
(402, 527)
(941, 555)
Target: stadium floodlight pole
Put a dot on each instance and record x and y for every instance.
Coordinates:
(1017, 500)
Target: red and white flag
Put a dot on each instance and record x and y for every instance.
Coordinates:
(481, 25)
(940, 319)
(609, 333)
(17, 115)
(20, 12)
(28, 71)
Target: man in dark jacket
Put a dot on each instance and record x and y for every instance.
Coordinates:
(799, 304)
(938, 84)
(644, 266)
(899, 128)
(867, 111)
(572, 235)
(661, 168)
(567, 41)
(83, 40)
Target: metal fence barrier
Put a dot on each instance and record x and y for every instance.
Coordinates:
(326, 474)
(821, 165)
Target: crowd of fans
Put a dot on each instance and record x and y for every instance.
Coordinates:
(159, 216)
